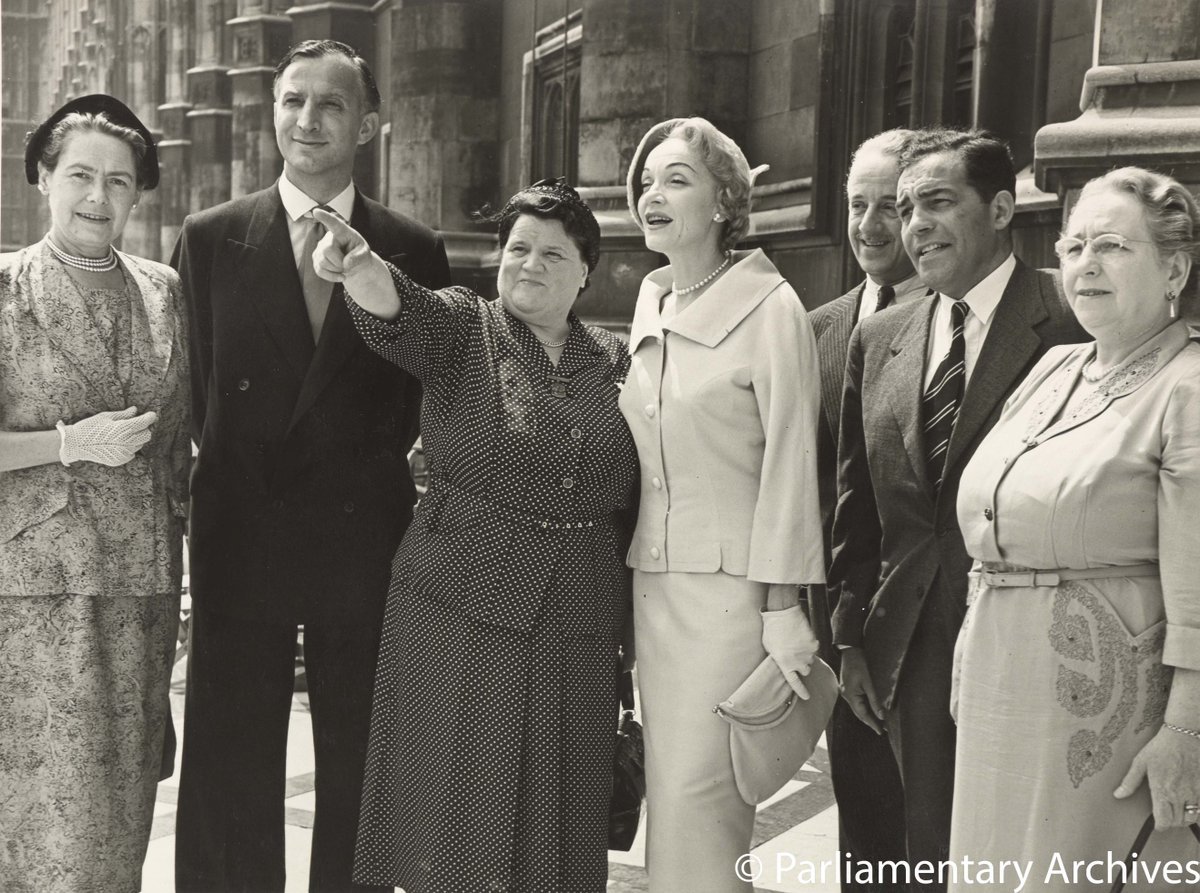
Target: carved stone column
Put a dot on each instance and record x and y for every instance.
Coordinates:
(260, 36)
(1141, 100)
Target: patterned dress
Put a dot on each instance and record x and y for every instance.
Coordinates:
(494, 721)
(90, 565)
(1060, 686)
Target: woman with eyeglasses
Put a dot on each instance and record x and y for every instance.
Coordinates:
(1078, 667)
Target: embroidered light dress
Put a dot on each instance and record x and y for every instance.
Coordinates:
(1059, 687)
(90, 566)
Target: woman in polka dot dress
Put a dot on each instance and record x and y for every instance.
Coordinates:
(490, 758)
(722, 400)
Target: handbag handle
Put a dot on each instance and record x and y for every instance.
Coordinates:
(1139, 844)
(625, 689)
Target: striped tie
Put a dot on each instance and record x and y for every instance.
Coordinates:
(943, 397)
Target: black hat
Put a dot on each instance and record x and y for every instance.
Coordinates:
(97, 103)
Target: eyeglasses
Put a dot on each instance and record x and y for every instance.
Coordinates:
(1105, 246)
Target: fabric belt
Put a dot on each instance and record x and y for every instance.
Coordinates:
(441, 490)
(1033, 578)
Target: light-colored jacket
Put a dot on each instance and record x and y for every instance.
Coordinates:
(89, 529)
(722, 401)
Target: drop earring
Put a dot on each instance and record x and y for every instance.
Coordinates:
(717, 218)
(1171, 299)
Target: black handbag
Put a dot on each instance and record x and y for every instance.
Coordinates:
(629, 773)
(1139, 844)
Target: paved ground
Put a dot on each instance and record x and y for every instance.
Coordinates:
(795, 834)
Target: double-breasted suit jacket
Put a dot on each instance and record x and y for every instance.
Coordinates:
(301, 490)
(895, 539)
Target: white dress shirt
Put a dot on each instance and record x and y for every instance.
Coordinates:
(299, 205)
(982, 302)
(909, 289)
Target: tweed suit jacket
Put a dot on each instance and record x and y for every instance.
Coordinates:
(301, 490)
(895, 539)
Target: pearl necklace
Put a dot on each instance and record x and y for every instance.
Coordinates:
(554, 343)
(679, 292)
(1092, 378)
(88, 264)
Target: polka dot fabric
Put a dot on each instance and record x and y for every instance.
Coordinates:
(494, 719)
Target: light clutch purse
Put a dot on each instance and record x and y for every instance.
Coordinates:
(772, 732)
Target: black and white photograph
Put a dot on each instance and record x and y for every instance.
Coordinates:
(600, 446)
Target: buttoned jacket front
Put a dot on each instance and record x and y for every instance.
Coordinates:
(722, 401)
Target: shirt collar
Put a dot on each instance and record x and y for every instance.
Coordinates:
(717, 311)
(905, 289)
(985, 297)
(297, 203)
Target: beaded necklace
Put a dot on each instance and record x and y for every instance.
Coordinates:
(88, 264)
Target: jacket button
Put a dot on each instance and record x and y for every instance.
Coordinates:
(656, 483)
(650, 410)
(348, 507)
(576, 434)
(244, 384)
(987, 513)
(568, 483)
(654, 552)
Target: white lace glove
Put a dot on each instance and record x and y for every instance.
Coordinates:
(108, 438)
(789, 640)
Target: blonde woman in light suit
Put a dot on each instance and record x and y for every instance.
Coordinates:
(722, 399)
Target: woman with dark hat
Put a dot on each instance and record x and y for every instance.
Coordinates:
(94, 453)
(494, 720)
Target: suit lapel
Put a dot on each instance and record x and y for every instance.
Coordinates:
(831, 348)
(271, 281)
(905, 383)
(1010, 344)
(339, 340)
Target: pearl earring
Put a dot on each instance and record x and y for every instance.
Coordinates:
(1171, 296)
(717, 218)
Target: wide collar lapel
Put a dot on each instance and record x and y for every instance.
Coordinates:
(647, 318)
(831, 348)
(59, 307)
(904, 384)
(269, 280)
(1045, 421)
(153, 332)
(339, 340)
(1010, 345)
(729, 300)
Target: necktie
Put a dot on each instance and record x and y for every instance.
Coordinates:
(316, 290)
(944, 396)
(886, 295)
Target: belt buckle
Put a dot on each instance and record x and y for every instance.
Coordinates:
(1044, 578)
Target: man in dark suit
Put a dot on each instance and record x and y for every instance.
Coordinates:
(924, 382)
(301, 489)
(866, 781)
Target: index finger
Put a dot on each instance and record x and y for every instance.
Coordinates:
(335, 223)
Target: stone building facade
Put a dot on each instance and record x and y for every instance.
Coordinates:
(482, 96)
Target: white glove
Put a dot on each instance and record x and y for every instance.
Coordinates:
(107, 438)
(789, 640)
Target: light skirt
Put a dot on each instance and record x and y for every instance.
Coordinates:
(84, 703)
(698, 637)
